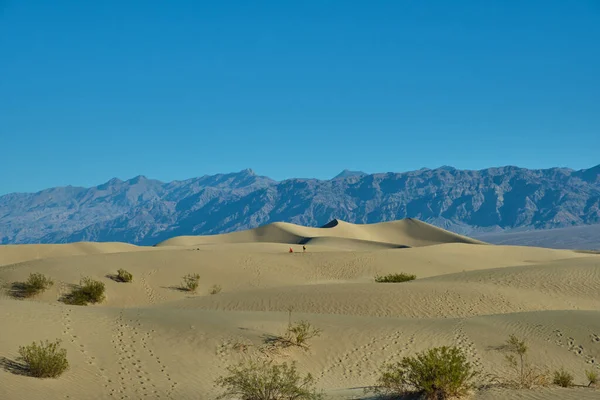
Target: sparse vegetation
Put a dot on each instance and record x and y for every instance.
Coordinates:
(89, 291)
(437, 373)
(395, 278)
(299, 333)
(45, 360)
(215, 289)
(563, 378)
(592, 377)
(296, 334)
(265, 380)
(34, 285)
(124, 276)
(526, 375)
(191, 282)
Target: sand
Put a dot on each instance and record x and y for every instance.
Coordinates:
(151, 340)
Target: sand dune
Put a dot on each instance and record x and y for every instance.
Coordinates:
(403, 233)
(13, 254)
(151, 340)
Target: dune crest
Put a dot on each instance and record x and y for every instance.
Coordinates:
(402, 233)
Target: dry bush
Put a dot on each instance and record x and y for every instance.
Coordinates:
(44, 360)
(525, 374)
(265, 380)
(437, 373)
(191, 282)
(563, 378)
(88, 291)
(296, 334)
(395, 278)
(215, 289)
(592, 377)
(34, 285)
(299, 333)
(124, 276)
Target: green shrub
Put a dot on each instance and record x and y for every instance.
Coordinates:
(438, 373)
(592, 377)
(562, 378)
(89, 291)
(124, 276)
(191, 282)
(216, 289)
(395, 278)
(526, 375)
(35, 284)
(45, 360)
(300, 333)
(264, 380)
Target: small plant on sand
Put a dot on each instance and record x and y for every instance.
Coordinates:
(395, 278)
(265, 380)
(215, 289)
(299, 333)
(191, 282)
(36, 284)
(437, 373)
(563, 378)
(44, 360)
(526, 375)
(124, 276)
(296, 334)
(592, 377)
(88, 291)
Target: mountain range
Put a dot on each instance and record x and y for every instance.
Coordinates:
(146, 211)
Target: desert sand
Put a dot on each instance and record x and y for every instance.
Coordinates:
(149, 340)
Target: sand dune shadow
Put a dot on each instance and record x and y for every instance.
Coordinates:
(18, 290)
(13, 366)
(177, 288)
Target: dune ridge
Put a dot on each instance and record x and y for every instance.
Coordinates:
(402, 233)
(149, 339)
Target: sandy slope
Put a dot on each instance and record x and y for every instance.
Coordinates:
(403, 233)
(151, 340)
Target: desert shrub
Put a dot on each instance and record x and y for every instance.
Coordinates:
(191, 282)
(563, 378)
(89, 291)
(124, 276)
(215, 289)
(264, 380)
(35, 284)
(45, 360)
(592, 377)
(395, 278)
(299, 333)
(437, 373)
(525, 374)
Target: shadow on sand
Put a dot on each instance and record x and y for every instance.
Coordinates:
(14, 367)
(18, 290)
(177, 288)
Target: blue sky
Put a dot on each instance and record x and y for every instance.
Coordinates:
(90, 90)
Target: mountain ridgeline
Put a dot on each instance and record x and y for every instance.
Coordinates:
(145, 211)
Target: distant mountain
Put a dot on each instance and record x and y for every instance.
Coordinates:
(146, 211)
(346, 174)
(576, 237)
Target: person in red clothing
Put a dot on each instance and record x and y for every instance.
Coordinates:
(291, 250)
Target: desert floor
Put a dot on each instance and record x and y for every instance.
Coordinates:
(151, 340)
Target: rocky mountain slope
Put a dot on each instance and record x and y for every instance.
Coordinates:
(146, 211)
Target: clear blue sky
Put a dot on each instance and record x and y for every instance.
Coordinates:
(90, 90)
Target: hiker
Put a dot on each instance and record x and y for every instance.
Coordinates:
(291, 250)
(303, 249)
